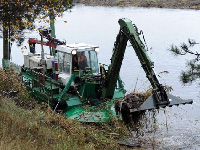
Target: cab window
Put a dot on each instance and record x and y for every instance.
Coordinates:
(64, 62)
(83, 59)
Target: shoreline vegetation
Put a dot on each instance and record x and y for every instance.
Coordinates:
(38, 128)
(26, 124)
(174, 4)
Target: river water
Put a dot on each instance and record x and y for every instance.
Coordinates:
(178, 127)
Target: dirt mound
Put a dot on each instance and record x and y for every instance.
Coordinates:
(130, 101)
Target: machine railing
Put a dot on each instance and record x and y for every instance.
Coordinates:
(37, 81)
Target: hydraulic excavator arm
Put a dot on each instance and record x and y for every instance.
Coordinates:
(131, 32)
(128, 31)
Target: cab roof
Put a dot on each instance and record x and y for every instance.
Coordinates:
(75, 46)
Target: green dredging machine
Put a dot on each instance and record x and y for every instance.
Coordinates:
(73, 82)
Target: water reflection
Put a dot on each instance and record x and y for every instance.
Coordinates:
(160, 129)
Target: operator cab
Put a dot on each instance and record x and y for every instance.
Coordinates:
(76, 59)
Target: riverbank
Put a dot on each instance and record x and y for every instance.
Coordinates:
(182, 4)
(38, 128)
(26, 124)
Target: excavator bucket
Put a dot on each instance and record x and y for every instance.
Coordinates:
(150, 103)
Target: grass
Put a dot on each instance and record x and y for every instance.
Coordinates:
(38, 128)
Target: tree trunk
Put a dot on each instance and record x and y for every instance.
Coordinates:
(5, 44)
(52, 25)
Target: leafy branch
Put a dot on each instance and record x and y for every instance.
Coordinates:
(193, 66)
(19, 15)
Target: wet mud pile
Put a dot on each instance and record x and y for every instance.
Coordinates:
(130, 101)
(183, 4)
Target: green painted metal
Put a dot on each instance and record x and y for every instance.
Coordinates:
(128, 31)
(53, 33)
(66, 87)
(121, 85)
(76, 106)
(115, 66)
(43, 92)
(101, 113)
(133, 36)
(89, 97)
(90, 108)
(131, 32)
(88, 91)
(73, 101)
(118, 93)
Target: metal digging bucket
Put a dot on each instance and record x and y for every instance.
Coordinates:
(150, 103)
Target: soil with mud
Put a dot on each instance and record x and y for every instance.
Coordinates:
(183, 4)
(130, 101)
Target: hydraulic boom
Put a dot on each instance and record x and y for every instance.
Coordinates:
(128, 31)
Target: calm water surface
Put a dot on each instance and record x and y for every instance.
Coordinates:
(161, 27)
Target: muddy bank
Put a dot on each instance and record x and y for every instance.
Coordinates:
(183, 4)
